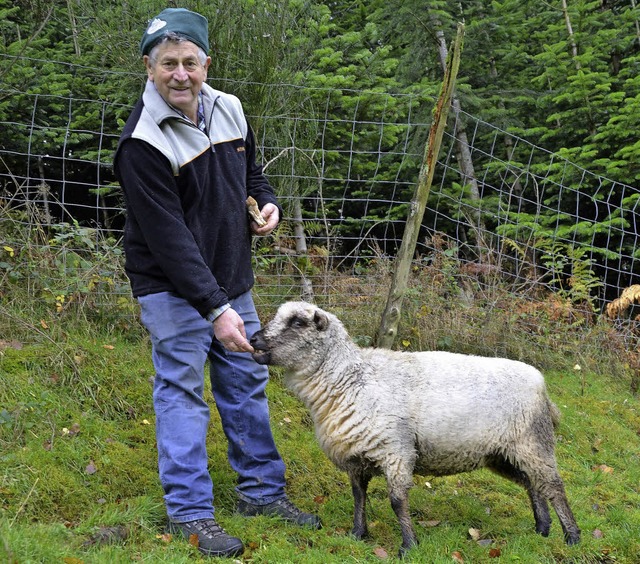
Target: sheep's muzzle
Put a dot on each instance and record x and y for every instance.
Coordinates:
(260, 352)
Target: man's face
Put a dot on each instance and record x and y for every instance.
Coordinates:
(178, 74)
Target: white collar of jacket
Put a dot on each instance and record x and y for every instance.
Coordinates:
(178, 138)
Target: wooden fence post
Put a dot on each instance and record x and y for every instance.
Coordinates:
(391, 315)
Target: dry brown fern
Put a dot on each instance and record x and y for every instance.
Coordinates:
(619, 306)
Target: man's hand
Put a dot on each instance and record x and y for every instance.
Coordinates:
(271, 215)
(229, 330)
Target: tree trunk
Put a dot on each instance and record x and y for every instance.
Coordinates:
(43, 192)
(74, 28)
(306, 286)
(633, 3)
(572, 41)
(463, 153)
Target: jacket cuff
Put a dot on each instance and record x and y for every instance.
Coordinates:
(217, 312)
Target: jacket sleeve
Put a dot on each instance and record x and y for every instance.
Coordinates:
(160, 237)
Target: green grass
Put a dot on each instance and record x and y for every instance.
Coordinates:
(78, 476)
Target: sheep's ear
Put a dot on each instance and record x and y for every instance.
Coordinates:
(321, 320)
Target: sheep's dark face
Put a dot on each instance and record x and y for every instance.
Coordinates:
(260, 353)
(293, 338)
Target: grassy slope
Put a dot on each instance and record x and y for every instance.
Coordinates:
(78, 474)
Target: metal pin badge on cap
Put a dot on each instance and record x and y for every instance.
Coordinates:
(155, 25)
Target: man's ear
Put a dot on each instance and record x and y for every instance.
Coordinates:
(147, 63)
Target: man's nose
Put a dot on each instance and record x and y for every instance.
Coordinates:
(180, 73)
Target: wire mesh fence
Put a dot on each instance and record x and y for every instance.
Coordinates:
(344, 164)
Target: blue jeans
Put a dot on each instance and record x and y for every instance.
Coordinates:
(182, 341)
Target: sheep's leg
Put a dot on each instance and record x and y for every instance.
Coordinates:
(558, 499)
(399, 481)
(540, 466)
(546, 480)
(546, 483)
(400, 505)
(540, 511)
(539, 504)
(359, 483)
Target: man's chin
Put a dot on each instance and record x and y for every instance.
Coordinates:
(183, 100)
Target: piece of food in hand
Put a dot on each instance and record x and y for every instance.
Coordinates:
(254, 212)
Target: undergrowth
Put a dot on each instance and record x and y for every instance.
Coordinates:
(78, 477)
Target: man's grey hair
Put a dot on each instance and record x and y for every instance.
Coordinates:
(173, 37)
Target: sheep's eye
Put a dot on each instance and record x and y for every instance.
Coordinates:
(297, 322)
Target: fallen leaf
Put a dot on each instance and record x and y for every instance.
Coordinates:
(108, 535)
(194, 541)
(108, 347)
(430, 523)
(485, 542)
(164, 537)
(10, 345)
(286, 419)
(319, 499)
(71, 560)
(43, 324)
(494, 553)
(602, 468)
(474, 534)
(91, 468)
(457, 557)
(381, 553)
(598, 534)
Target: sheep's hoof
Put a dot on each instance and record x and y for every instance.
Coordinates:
(544, 531)
(572, 538)
(406, 548)
(360, 533)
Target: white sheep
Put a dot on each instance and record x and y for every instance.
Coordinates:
(393, 413)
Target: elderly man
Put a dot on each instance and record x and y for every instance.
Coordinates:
(187, 163)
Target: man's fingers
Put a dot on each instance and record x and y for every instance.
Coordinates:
(238, 343)
(230, 331)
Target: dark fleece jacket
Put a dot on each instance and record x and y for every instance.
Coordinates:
(187, 229)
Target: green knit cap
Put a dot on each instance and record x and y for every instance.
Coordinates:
(187, 24)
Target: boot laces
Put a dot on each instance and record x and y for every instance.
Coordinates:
(289, 507)
(210, 528)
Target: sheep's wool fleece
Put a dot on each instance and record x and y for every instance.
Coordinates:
(444, 411)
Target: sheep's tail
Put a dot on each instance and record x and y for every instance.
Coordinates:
(555, 414)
